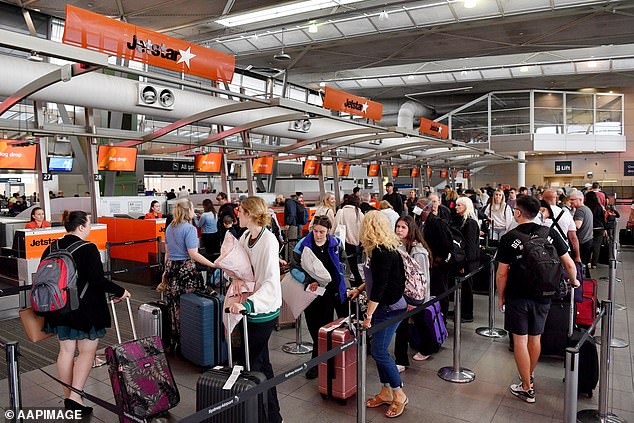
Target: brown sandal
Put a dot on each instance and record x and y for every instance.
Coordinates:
(376, 401)
(396, 408)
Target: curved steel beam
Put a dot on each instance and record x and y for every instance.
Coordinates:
(358, 140)
(229, 132)
(331, 136)
(207, 114)
(417, 144)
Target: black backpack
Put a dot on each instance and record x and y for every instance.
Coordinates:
(458, 256)
(540, 265)
(302, 214)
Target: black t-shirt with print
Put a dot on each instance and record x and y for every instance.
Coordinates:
(510, 252)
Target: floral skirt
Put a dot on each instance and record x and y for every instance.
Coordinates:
(182, 277)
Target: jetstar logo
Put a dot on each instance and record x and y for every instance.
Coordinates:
(353, 104)
(149, 47)
(41, 242)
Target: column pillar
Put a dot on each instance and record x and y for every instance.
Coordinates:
(521, 169)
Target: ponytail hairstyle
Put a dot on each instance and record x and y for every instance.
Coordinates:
(73, 220)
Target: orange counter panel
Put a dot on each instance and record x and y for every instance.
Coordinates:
(279, 212)
(124, 230)
(36, 241)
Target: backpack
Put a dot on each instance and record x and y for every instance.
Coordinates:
(302, 214)
(458, 257)
(54, 290)
(540, 265)
(416, 286)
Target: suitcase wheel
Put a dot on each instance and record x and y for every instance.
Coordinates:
(341, 401)
(324, 397)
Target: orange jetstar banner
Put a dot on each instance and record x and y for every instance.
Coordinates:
(116, 158)
(444, 173)
(343, 169)
(14, 157)
(348, 103)
(395, 172)
(373, 169)
(436, 129)
(311, 168)
(429, 172)
(97, 32)
(263, 165)
(36, 241)
(466, 174)
(415, 172)
(208, 163)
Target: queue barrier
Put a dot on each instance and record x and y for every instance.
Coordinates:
(109, 245)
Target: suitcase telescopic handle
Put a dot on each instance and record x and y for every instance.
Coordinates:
(116, 319)
(245, 339)
(571, 320)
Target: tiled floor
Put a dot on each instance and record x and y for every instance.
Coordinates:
(431, 399)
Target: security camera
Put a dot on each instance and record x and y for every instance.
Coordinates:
(589, 175)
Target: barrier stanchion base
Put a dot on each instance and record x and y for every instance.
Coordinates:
(616, 342)
(295, 348)
(588, 416)
(456, 376)
(491, 332)
(620, 307)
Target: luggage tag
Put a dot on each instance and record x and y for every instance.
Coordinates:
(233, 377)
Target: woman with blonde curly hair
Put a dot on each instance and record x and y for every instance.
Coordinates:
(385, 282)
(263, 307)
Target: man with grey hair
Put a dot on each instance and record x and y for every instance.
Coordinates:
(583, 222)
(438, 209)
(365, 203)
(563, 222)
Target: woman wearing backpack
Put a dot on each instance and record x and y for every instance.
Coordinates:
(351, 217)
(181, 256)
(385, 300)
(470, 230)
(499, 215)
(81, 329)
(414, 245)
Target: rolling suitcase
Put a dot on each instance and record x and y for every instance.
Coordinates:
(338, 376)
(154, 320)
(588, 363)
(201, 339)
(212, 387)
(559, 326)
(428, 332)
(140, 375)
(626, 237)
(587, 309)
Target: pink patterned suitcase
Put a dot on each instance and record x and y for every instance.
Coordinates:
(140, 375)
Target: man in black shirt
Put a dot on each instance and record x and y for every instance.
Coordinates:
(394, 198)
(525, 313)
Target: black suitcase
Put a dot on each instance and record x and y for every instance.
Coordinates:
(209, 390)
(559, 324)
(588, 363)
(626, 237)
(482, 279)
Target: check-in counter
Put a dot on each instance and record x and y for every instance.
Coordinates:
(122, 230)
(18, 264)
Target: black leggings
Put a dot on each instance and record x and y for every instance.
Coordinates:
(320, 312)
(259, 334)
(352, 251)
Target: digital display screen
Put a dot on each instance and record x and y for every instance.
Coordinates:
(60, 164)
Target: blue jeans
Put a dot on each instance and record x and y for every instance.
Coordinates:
(388, 373)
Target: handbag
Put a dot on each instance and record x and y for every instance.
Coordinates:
(33, 325)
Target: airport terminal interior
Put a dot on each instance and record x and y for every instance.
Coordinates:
(111, 106)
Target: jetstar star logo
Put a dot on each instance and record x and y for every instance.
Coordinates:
(148, 47)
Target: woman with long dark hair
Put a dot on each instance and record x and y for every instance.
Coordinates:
(81, 329)
(155, 211)
(598, 225)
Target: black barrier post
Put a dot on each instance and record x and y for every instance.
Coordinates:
(456, 373)
(362, 362)
(491, 331)
(602, 415)
(109, 261)
(13, 368)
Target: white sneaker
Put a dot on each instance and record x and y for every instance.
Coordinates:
(400, 368)
(420, 357)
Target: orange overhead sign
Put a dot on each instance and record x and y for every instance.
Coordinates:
(348, 103)
(208, 163)
(436, 129)
(311, 168)
(100, 33)
(429, 171)
(415, 172)
(14, 157)
(395, 172)
(116, 158)
(373, 169)
(263, 165)
(343, 169)
(444, 173)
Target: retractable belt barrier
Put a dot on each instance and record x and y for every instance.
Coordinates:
(282, 377)
(110, 245)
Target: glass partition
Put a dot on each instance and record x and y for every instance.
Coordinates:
(510, 113)
(549, 113)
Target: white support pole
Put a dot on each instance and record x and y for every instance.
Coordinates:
(521, 169)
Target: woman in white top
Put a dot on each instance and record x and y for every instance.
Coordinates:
(326, 207)
(263, 307)
(386, 208)
(499, 215)
(351, 217)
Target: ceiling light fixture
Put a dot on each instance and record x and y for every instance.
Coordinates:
(281, 11)
(470, 4)
(281, 56)
(592, 64)
(524, 69)
(313, 28)
(383, 16)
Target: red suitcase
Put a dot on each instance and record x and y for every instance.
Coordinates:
(338, 376)
(587, 309)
